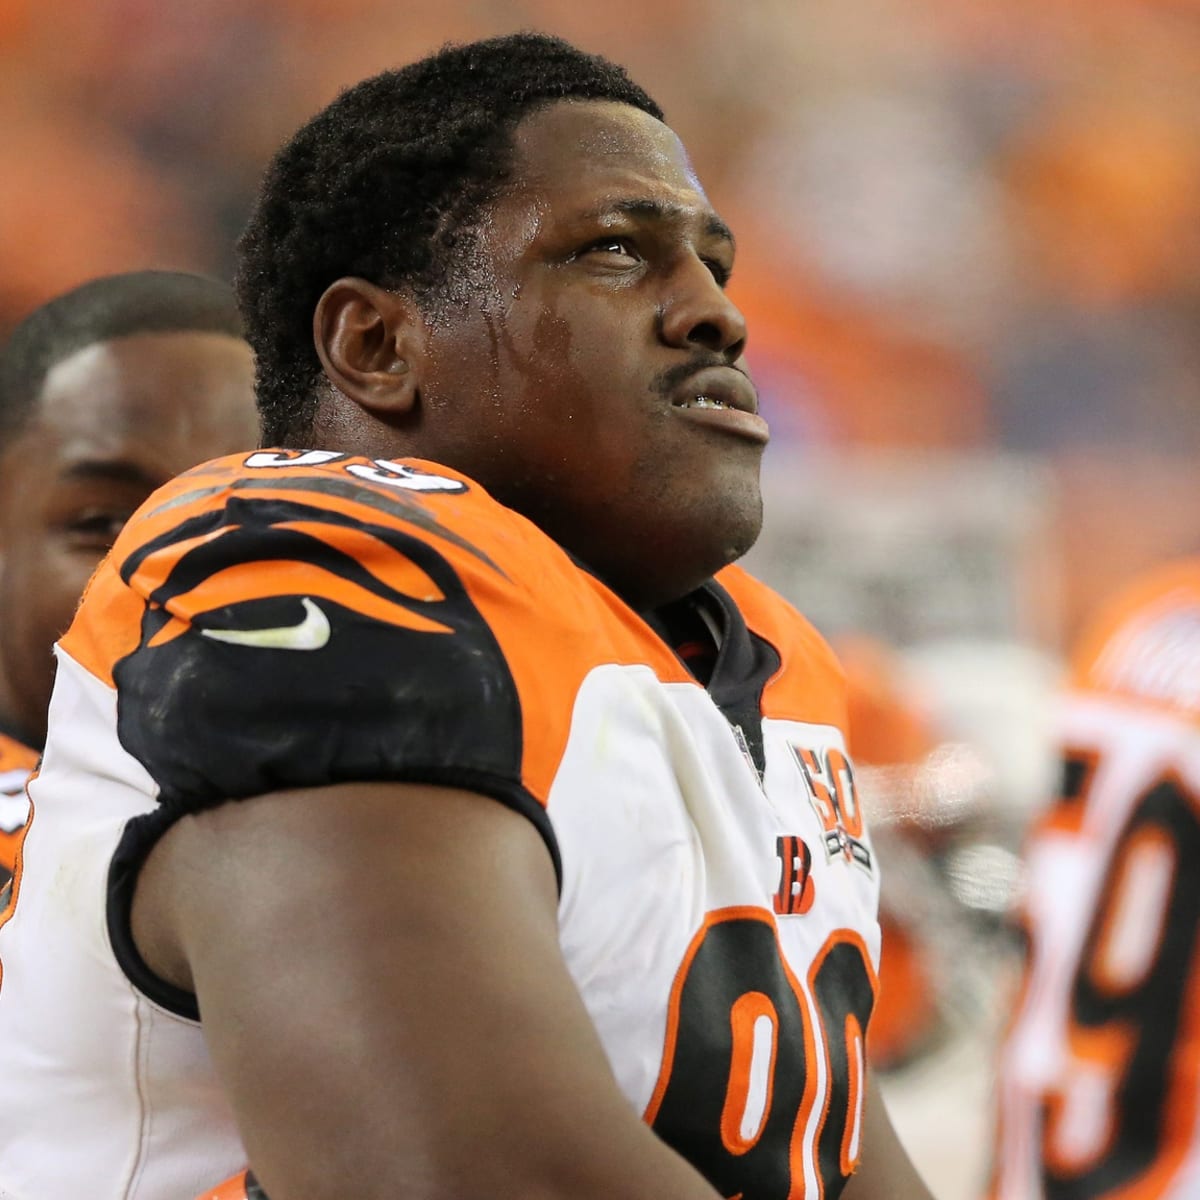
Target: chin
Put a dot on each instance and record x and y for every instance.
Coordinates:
(741, 539)
(735, 522)
(655, 544)
(736, 545)
(690, 551)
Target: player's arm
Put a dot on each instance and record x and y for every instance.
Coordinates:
(887, 1172)
(386, 1003)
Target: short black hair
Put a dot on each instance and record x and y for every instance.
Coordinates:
(386, 184)
(112, 306)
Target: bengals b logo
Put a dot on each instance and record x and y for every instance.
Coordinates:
(795, 893)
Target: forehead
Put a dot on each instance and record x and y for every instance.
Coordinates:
(574, 155)
(147, 394)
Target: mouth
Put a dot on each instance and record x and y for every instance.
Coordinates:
(723, 398)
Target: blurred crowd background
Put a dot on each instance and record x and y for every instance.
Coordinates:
(969, 251)
(966, 227)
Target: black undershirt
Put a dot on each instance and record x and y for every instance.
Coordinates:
(710, 636)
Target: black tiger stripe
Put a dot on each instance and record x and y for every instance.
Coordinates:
(405, 505)
(256, 533)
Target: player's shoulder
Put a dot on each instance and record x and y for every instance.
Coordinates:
(274, 489)
(266, 537)
(1144, 644)
(810, 683)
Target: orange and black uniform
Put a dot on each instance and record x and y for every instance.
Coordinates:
(1100, 1076)
(290, 619)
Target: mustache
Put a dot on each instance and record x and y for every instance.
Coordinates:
(666, 383)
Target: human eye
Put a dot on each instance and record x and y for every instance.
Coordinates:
(96, 529)
(619, 251)
(721, 272)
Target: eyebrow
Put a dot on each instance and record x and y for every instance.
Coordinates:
(87, 470)
(661, 210)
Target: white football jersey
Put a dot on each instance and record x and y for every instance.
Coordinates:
(1100, 1076)
(282, 620)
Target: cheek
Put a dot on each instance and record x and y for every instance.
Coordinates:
(577, 359)
(565, 392)
(38, 605)
(42, 590)
(65, 590)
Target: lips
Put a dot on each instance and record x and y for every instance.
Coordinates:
(721, 387)
(721, 400)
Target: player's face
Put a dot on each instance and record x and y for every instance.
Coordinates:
(113, 422)
(595, 379)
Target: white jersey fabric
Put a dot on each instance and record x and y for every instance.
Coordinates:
(718, 890)
(1099, 1094)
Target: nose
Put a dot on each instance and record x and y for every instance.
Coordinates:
(698, 314)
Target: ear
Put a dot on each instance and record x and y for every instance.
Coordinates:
(369, 342)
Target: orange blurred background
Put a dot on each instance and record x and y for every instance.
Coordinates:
(964, 227)
(969, 252)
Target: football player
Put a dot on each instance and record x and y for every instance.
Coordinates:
(1098, 1092)
(106, 392)
(429, 807)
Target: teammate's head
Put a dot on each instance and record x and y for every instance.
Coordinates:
(105, 393)
(510, 267)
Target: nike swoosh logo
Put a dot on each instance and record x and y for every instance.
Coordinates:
(310, 634)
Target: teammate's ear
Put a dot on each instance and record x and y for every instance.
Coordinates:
(368, 340)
